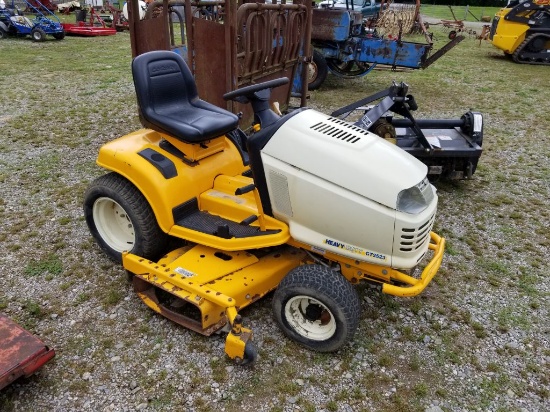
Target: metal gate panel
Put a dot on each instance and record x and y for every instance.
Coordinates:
(229, 45)
(210, 60)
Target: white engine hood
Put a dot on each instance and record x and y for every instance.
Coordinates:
(346, 155)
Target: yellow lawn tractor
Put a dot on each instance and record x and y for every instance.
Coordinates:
(306, 205)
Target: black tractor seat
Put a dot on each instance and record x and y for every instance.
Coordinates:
(169, 102)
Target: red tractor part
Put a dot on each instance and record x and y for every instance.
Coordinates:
(21, 353)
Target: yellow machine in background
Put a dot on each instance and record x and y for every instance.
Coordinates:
(522, 31)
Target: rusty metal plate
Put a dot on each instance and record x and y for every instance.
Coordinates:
(21, 353)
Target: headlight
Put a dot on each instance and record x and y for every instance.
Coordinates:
(415, 199)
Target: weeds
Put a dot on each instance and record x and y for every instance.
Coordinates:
(50, 264)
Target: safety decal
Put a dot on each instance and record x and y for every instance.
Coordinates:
(184, 272)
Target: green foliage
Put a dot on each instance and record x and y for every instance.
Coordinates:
(50, 264)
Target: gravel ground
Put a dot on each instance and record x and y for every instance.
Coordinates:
(476, 340)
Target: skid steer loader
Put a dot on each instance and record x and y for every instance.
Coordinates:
(522, 31)
(307, 205)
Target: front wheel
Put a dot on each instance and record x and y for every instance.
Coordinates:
(59, 36)
(317, 307)
(120, 219)
(38, 34)
(3, 33)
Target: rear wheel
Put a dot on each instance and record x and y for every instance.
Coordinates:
(317, 307)
(120, 219)
(38, 34)
(3, 33)
(317, 71)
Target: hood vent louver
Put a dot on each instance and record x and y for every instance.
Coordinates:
(340, 129)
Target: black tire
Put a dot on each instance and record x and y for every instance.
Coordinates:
(452, 34)
(347, 69)
(317, 71)
(250, 354)
(317, 307)
(120, 218)
(59, 36)
(38, 34)
(3, 33)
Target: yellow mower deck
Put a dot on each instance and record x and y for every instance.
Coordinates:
(210, 286)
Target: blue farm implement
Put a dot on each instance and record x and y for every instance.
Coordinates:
(343, 46)
(13, 22)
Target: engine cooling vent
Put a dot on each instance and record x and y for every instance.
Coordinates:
(340, 130)
(412, 239)
(281, 197)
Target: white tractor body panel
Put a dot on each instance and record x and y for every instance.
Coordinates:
(336, 186)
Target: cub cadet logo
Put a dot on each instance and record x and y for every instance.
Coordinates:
(163, 68)
(354, 249)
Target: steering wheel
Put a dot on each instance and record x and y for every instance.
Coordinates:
(248, 91)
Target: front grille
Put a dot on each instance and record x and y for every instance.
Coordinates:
(413, 238)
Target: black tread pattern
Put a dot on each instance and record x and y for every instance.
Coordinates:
(205, 222)
(541, 58)
(42, 34)
(151, 241)
(322, 70)
(327, 286)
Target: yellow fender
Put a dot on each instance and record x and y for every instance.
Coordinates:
(163, 194)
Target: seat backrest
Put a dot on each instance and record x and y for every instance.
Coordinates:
(169, 102)
(163, 82)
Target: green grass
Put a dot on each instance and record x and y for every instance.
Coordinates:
(50, 264)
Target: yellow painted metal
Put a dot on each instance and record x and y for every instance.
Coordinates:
(215, 281)
(245, 205)
(437, 245)
(220, 163)
(509, 35)
(261, 216)
(355, 270)
(235, 344)
(179, 283)
(122, 156)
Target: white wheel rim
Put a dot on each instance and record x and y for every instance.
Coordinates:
(312, 72)
(318, 328)
(113, 224)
